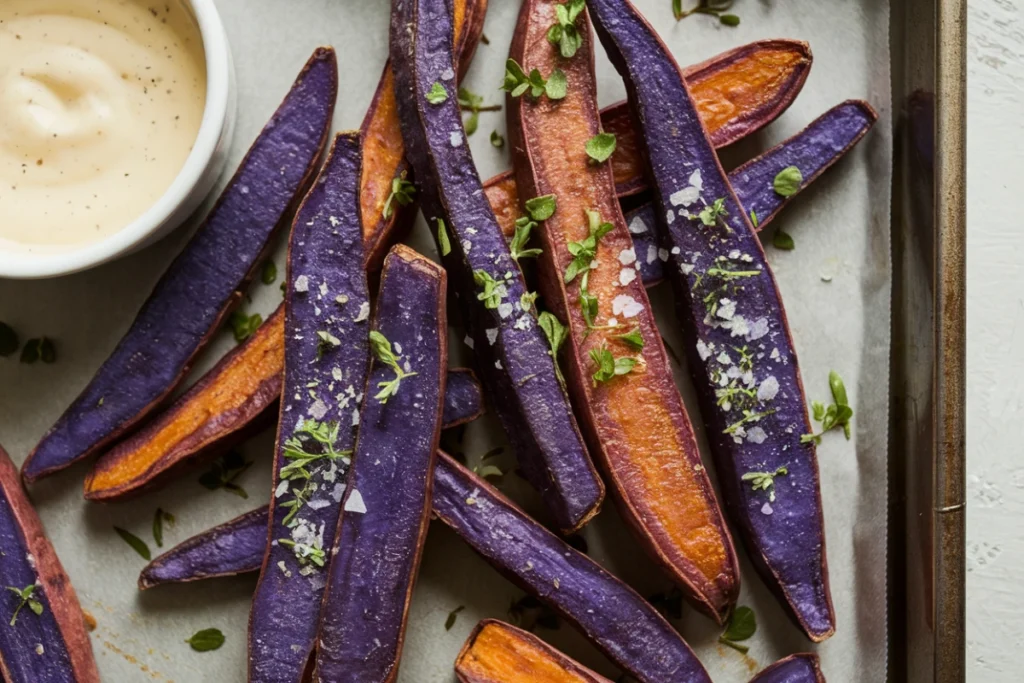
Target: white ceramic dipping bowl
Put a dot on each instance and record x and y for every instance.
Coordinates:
(192, 184)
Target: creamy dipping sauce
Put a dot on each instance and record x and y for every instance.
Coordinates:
(100, 104)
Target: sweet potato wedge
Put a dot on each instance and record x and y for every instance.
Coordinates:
(740, 351)
(200, 287)
(496, 652)
(384, 150)
(607, 611)
(634, 419)
(236, 398)
(737, 93)
(326, 357)
(387, 500)
(813, 150)
(234, 547)
(42, 632)
(802, 668)
(510, 349)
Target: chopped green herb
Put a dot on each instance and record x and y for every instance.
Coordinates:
(526, 300)
(710, 214)
(517, 247)
(442, 238)
(783, 240)
(608, 366)
(715, 8)
(837, 414)
(588, 306)
(382, 349)
(137, 544)
(729, 19)
(601, 147)
(325, 342)
(753, 219)
(159, 518)
(304, 553)
(765, 481)
(243, 326)
(39, 349)
(497, 139)
(585, 251)
(402, 191)
(564, 34)
(206, 640)
(633, 338)
(26, 596)
(788, 181)
(541, 208)
(223, 473)
(9, 342)
(311, 443)
(269, 273)
(452, 616)
(556, 333)
(742, 625)
(437, 94)
(492, 289)
(517, 82)
(748, 416)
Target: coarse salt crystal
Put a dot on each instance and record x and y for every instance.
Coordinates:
(354, 502)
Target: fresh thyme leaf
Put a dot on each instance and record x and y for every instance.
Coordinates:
(748, 416)
(492, 289)
(522, 235)
(765, 481)
(472, 123)
(452, 616)
(325, 342)
(601, 147)
(742, 625)
(243, 326)
(137, 544)
(473, 104)
(305, 554)
(783, 240)
(787, 181)
(26, 596)
(556, 333)
(497, 139)
(382, 349)
(541, 208)
(729, 19)
(710, 214)
(517, 82)
(633, 339)
(835, 383)
(677, 9)
(268, 274)
(206, 640)
(837, 414)
(564, 34)
(9, 342)
(588, 306)
(585, 251)
(557, 85)
(437, 94)
(526, 300)
(39, 349)
(442, 238)
(402, 191)
(159, 518)
(753, 219)
(608, 366)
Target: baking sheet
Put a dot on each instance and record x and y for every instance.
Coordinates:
(841, 230)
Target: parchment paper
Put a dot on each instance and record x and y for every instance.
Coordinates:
(841, 229)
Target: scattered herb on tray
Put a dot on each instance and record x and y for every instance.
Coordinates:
(243, 326)
(136, 543)
(452, 616)
(9, 342)
(41, 348)
(206, 640)
(160, 517)
(497, 139)
(268, 274)
(741, 626)
(837, 414)
(223, 473)
(473, 104)
(783, 240)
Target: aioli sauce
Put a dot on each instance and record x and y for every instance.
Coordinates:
(100, 104)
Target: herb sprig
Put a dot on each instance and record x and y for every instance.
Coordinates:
(222, 474)
(402, 191)
(472, 103)
(715, 8)
(382, 349)
(517, 82)
(564, 33)
(26, 596)
(206, 640)
(601, 147)
(765, 481)
(609, 367)
(742, 625)
(837, 414)
(311, 443)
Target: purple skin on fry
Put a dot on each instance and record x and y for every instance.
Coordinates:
(813, 150)
(235, 547)
(517, 369)
(52, 646)
(802, 668)
(463, 398)
(200, 286)
(386, 508)
(322, 381)
(785, 538)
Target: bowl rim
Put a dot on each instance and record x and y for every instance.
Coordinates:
(21, 264)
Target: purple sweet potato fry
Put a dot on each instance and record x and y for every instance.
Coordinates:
(386, 509)
(51, 646)
(801, 668)
(234, 547)
(741, 355)
(813, 150)
(510, 349)
(326, 359)
(607, 611)
(463, 398)
(202, 285)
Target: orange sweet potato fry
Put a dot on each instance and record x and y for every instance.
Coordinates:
(384, 150)
(634, 419)
(737, 93)
(498, 653)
